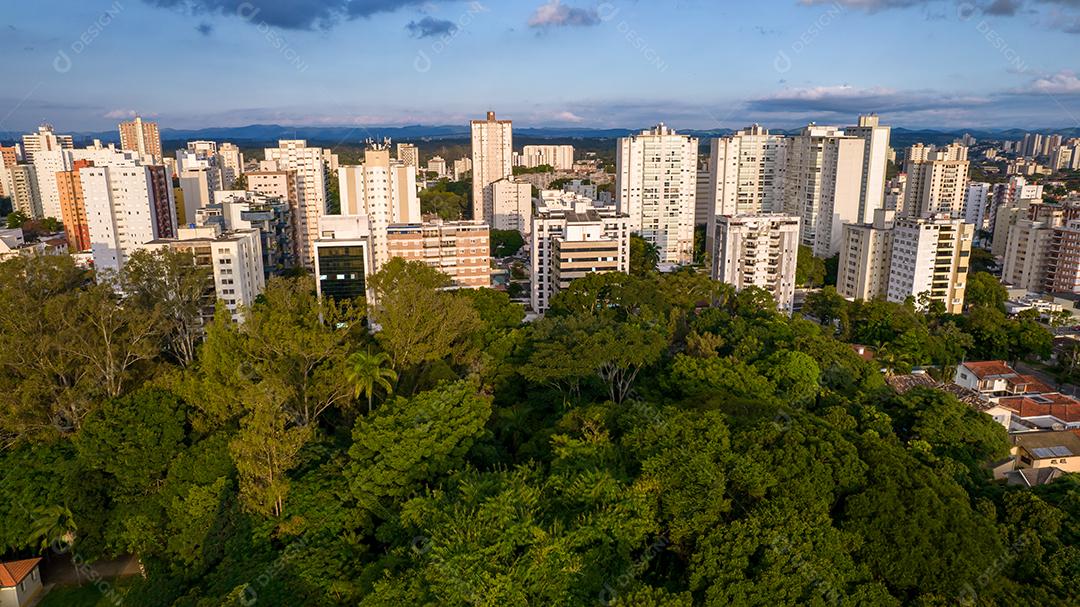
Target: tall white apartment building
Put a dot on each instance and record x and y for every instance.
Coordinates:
(895, 189)
(656, 186)
(746, 172)
(198, 185)
(823, 185)
(703, 198)
(760, 251)
(47, 163)
(560, 157)
(310, 168)
(931, 255)
(408, 154)
(231, 162)
(235, 259)
(573, 237)
(44, 140)
(143, 138)
(937, 182)
(977, 204)
(492, 160)
(383, 190)
(875, 163)
(126, 207)
(582, 188)
(865, 257)
(513, 206)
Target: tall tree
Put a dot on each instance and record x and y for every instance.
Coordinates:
(368, 371)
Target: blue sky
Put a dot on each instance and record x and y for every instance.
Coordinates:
(83, 65)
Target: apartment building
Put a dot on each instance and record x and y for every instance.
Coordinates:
(866, 257)
(875, 137)
(310, 166)
(760, 251)
(459, 249)
(230, 161)
(977, 204)
(823, 185)
(513, 206)
(409, 155)
(271, 216)
(235, 259)
(20, 185)
(573, 237)
(73, 206)
(937, 182)
(437, 165)
(1028, 245)
(382, 189)
(931, 255)
(45, 139)
(746, 173)
(559, 157)
(143, 138)
(656, 187)
(126, 207)
(492, 160)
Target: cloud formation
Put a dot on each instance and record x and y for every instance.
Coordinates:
(557, 14)
(847, 99)
(1064, 82)
(289, 14)
(1061, 15)
(429, 27)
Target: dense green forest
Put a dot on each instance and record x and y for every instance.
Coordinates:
(655, 440)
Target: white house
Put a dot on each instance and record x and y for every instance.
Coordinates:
(20, 582)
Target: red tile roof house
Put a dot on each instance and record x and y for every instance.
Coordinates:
(995, 379)
(20, 582)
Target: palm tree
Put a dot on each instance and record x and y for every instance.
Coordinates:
(368, 371)
(52, 525)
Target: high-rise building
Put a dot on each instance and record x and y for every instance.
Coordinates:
(459, 249)
(656, 186)
(126, 207)
(1063, 259)
(1028, 248)
(977, 204)
(895, 190)
(343, 256)
(246, 210)
(760, 251)
(937, 183)
(310, 167)
(559, 157)
(930, 255)
(9, 156)
(47, 163)
(492, 160)
(703, 198)
(235, 259)
(20, 185)
(823, 185)
(512, 203)
(875, 163)
(44, 140)
(143, 138)
(382, 189)
(865, 258)
(198, 185)
(572, 237)
(746, 172)
(408, 154)
(231, 164)
(462, 166)
(1032, 145)
(73, 206)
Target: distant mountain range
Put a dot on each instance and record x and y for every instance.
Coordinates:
(343, 135)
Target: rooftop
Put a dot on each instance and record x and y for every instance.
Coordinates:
(1049, 444)
(990, 368)
(13, 572)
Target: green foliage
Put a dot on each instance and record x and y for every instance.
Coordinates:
(16, 220)
(449, 200)
(506, 243)
(985, 291)
(644, 256)
(543, 168)
(655, 439)
(809, 270)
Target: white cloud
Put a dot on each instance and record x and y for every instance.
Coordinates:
(118, 114)
(1064, 82)
(568, 117)
(557, 14)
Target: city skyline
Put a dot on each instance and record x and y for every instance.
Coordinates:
(694, 65)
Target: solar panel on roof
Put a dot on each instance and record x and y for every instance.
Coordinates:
(1061, 451)
(1042, 452)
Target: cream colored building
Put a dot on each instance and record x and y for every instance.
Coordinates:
(492, 160)
(656, 186)
(746, 176)
(937, 182)
(875, 138)
(382, 189)
(1027, 250)
(760, 251)
(459, 249)
(310, 166)
(574, 237)
(866, 257)
(931, 256)
(20, 185)
(823, 185)
(43, 140)
(560, 157)
(408, 154)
